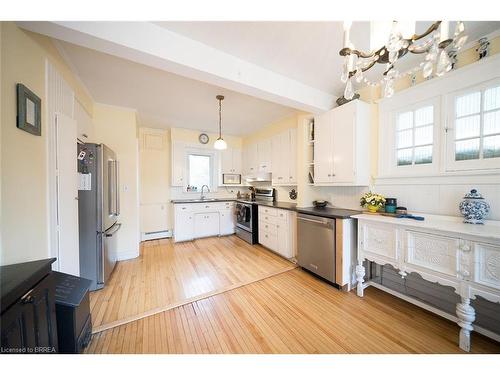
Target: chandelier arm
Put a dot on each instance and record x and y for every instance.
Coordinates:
(348, 51)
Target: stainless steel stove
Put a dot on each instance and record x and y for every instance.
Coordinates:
(247, 214)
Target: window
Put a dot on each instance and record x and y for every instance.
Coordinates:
(477, 125)
(414, 136)
(200, 167)
(473, 137)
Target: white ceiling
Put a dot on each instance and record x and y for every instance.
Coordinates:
(165, 100)
(303, 51)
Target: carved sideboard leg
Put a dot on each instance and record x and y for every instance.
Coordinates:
(360, 274)
(466, 315)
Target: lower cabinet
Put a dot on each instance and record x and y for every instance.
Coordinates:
(29, 324)
(184, 226)
(196, 220)
(277, 231)
(206, 224)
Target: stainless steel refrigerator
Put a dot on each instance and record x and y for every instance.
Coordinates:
(98, 212)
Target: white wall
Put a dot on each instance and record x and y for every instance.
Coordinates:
(116, 127)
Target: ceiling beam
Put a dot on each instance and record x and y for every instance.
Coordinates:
(149, 44)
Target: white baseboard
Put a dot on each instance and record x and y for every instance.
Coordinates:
(125, 255)
(156, 235)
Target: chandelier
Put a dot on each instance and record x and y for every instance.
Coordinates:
(397, 39)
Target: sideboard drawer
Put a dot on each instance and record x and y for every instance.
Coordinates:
(487, 265)
(379, 239)
(432, 252)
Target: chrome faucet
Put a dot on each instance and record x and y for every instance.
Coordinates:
(208, 190)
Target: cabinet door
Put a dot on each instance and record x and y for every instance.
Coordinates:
(344, 126)
(178, 164)
(283, 236)
(277, 160)
(236, 161)
(252, 158)
(323, 153)
(184, 228)
(226, 160)
(227, 222)
(31, 322)
(292, 157)
(264, 156)
(206, 224)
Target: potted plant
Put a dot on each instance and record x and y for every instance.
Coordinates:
(372, 201)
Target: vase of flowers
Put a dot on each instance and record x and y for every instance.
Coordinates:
(372, 201)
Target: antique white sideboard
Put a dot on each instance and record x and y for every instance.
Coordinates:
(440, 249)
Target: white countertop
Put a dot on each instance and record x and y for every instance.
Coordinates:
(451, 224)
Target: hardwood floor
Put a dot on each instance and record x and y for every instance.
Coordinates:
(292, 312)
(168, 274)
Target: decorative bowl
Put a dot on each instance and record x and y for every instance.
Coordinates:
(320, 204)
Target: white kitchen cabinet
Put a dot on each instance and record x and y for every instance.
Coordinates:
(227, 222)
(250, 160)
(264, 156)
(178, 163)
(195, 220)
(277, 230)
(284, 158)
(184, 225)
(342, 146)
(206, 224)
(231, 161)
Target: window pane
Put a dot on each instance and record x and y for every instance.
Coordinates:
(491, 147)
(468, 127)
(424, 116)
(404, 157)
(468, 104)
(405, 138)
(423, 155)
(405, 120)
(492, 98)
(491, 123)
(467, 150)
(199, 171)
(423, 135)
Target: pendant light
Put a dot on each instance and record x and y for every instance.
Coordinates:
(220, 144)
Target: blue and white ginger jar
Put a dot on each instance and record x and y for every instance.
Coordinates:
(474, 207)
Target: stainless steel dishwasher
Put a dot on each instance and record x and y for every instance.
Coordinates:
(316, 245)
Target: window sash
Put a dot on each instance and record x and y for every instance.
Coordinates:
(414, 147)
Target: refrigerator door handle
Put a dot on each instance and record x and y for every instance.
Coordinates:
(117, 226)
(111, 187)
(117, 188)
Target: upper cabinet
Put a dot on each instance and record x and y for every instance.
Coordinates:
(284, 157)
(178, 163)
(264, 156)
(342, 146)
(250, 159)
(230, 161)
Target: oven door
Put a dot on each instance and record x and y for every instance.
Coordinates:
(244, 216)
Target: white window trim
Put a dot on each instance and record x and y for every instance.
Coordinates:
(465, 165)
(214, 162)
(437, 89)
(390, 144)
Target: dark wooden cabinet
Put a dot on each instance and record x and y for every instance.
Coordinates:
(28, 318)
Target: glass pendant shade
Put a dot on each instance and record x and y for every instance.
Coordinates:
(220, 144)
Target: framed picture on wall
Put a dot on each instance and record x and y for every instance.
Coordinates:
(28, 110)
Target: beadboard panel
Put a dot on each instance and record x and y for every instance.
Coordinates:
(431, 199)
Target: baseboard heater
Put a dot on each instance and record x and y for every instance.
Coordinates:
(146, 236)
